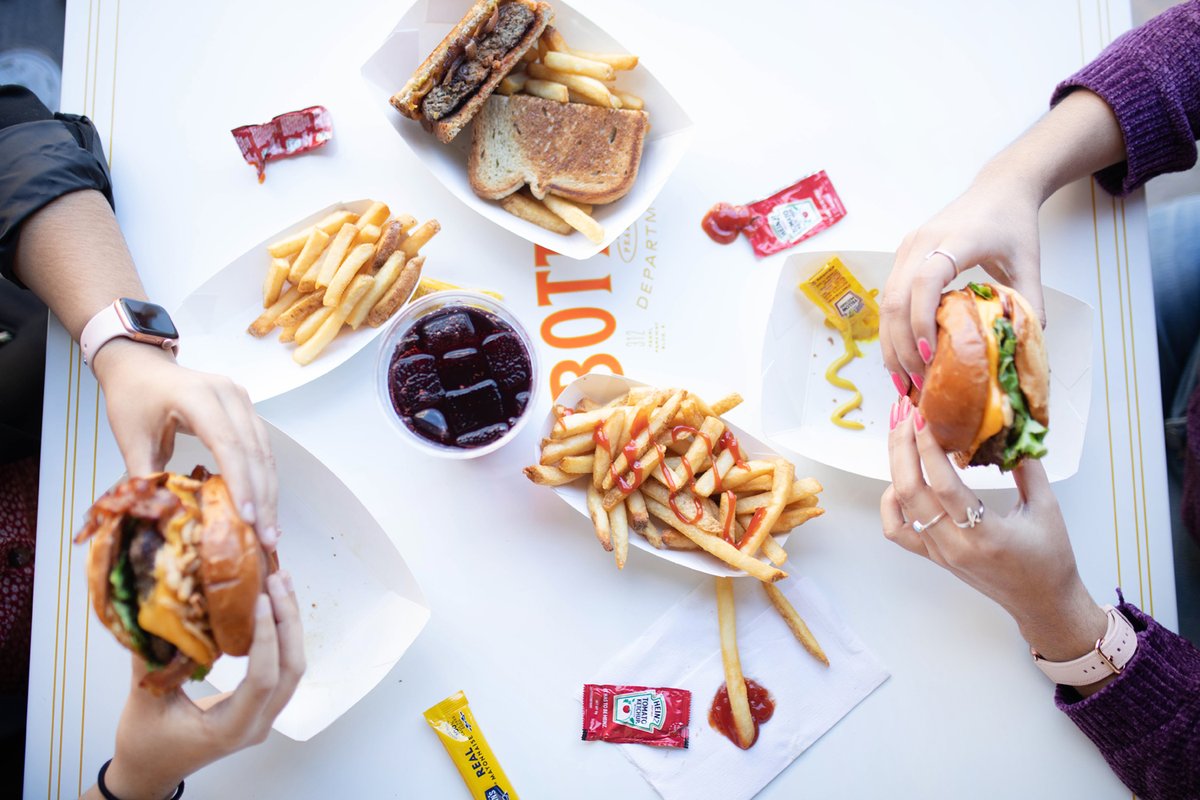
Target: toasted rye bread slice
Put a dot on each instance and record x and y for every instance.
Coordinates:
(408, 100)
(580, 152)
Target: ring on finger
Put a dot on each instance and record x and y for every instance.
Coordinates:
(951, 258)
(920, 527)
(974, 516)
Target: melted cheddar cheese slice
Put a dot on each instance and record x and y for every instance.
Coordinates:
(997, 413)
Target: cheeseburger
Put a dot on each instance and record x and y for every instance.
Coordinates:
(174, 573)
(986, 393)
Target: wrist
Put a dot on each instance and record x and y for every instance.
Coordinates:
(1065, 629)
(120, 353)
(139, 783)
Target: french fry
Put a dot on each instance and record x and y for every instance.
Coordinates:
(795, 622)
(774, 551)
(619, 526)
(618, 61)
(389, 240)
(555, 450)
(399, 293)
(530, 55)
(583, 85)
(273, 284)
(656, 539)
(265, 322)
(368, 234)
(288, 334)
(355, 260)
(574, 216)
(531, 210)
(735, 682)
(305, 353)
(548, 90)
(384, 279)
(609, 433)
(297, 311)
(431, 285)
(544, 475)
(726, 404)
(687, 503)
(513, 82)
(658, 421)
(375, 215)
(803, 491)
(316, 243)
(760, 484)
(575, 65)
(767, 516)
(577, 465)
(674, 540)
(629, 101)
(600, 521)
(716, 545)
(554, 40)
(419, 236)
(699, 451)
(289, 245)
(791, 519)
(306, 329)
(333, 223)
(635, 508)
(335, 253)
(407, 222)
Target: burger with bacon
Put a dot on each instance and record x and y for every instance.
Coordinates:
(986, 394)
(174, 573)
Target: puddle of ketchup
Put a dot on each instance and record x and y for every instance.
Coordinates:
(720, 716)
(724, 222)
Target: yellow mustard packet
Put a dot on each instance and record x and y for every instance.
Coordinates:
(464, 741)
(841, 297)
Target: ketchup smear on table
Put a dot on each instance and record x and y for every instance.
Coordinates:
(724, 222)
(720, 716)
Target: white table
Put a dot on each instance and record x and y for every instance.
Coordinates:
(899, 102)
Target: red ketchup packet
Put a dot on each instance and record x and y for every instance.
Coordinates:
(783, 220)
(286, 135)
(636, 715)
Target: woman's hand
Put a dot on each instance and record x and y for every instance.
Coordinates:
(993, 225)
(1022, 560)
(162, 740)
(150, 398)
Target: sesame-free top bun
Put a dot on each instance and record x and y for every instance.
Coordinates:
(955, 393)
(1033, 366)
(233, 568)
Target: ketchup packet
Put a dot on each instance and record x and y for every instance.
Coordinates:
(636, 715)
(783, 220)
(286, 135)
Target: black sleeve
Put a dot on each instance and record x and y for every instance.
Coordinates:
(42, 157)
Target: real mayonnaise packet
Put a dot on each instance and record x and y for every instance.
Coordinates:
(846, 304)
(468, 749)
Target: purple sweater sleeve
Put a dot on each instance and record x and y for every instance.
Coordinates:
(1150, 76)
(1146, 722)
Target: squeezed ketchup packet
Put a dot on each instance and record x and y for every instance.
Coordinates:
(792, 215)
(636, 715)
(286, 135)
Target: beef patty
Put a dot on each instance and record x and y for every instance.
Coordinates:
(143, 550)
(444, 99)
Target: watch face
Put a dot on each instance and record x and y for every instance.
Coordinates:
(149, 319)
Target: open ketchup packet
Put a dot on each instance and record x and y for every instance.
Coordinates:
(636, 715)
(783, 220)
(286, 135)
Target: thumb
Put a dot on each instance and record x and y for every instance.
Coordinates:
(1033, 485)
(1030, 287)
(141, 457)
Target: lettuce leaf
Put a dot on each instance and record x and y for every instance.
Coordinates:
(981, 289)
(124, 600)
(1026, 436)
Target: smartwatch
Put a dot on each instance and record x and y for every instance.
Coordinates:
(1108, 657)
(132, 319)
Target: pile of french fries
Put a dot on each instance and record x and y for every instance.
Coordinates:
(555, 71)
(716, 492)
(347, 270)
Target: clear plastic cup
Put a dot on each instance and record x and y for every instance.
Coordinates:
(404, 322)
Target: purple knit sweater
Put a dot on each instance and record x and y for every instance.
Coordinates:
(1146, 722)
(1150, 77)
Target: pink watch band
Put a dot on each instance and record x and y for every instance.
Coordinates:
(1109, 657)
(110, 323)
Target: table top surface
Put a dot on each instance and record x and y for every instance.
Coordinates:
(900, 104)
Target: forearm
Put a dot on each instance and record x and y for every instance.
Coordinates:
(72, 255)
(1076, 138)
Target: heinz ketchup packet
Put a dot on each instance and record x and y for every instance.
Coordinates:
(783, 220)
(636, 715)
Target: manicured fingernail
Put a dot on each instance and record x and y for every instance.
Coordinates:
(898, 382)
(269, 536)
(918, 381)
(895, 413)
(263, 607)
(918, 420)
(925, 350)
(248, 512)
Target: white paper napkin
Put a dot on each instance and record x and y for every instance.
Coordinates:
(682, 649)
